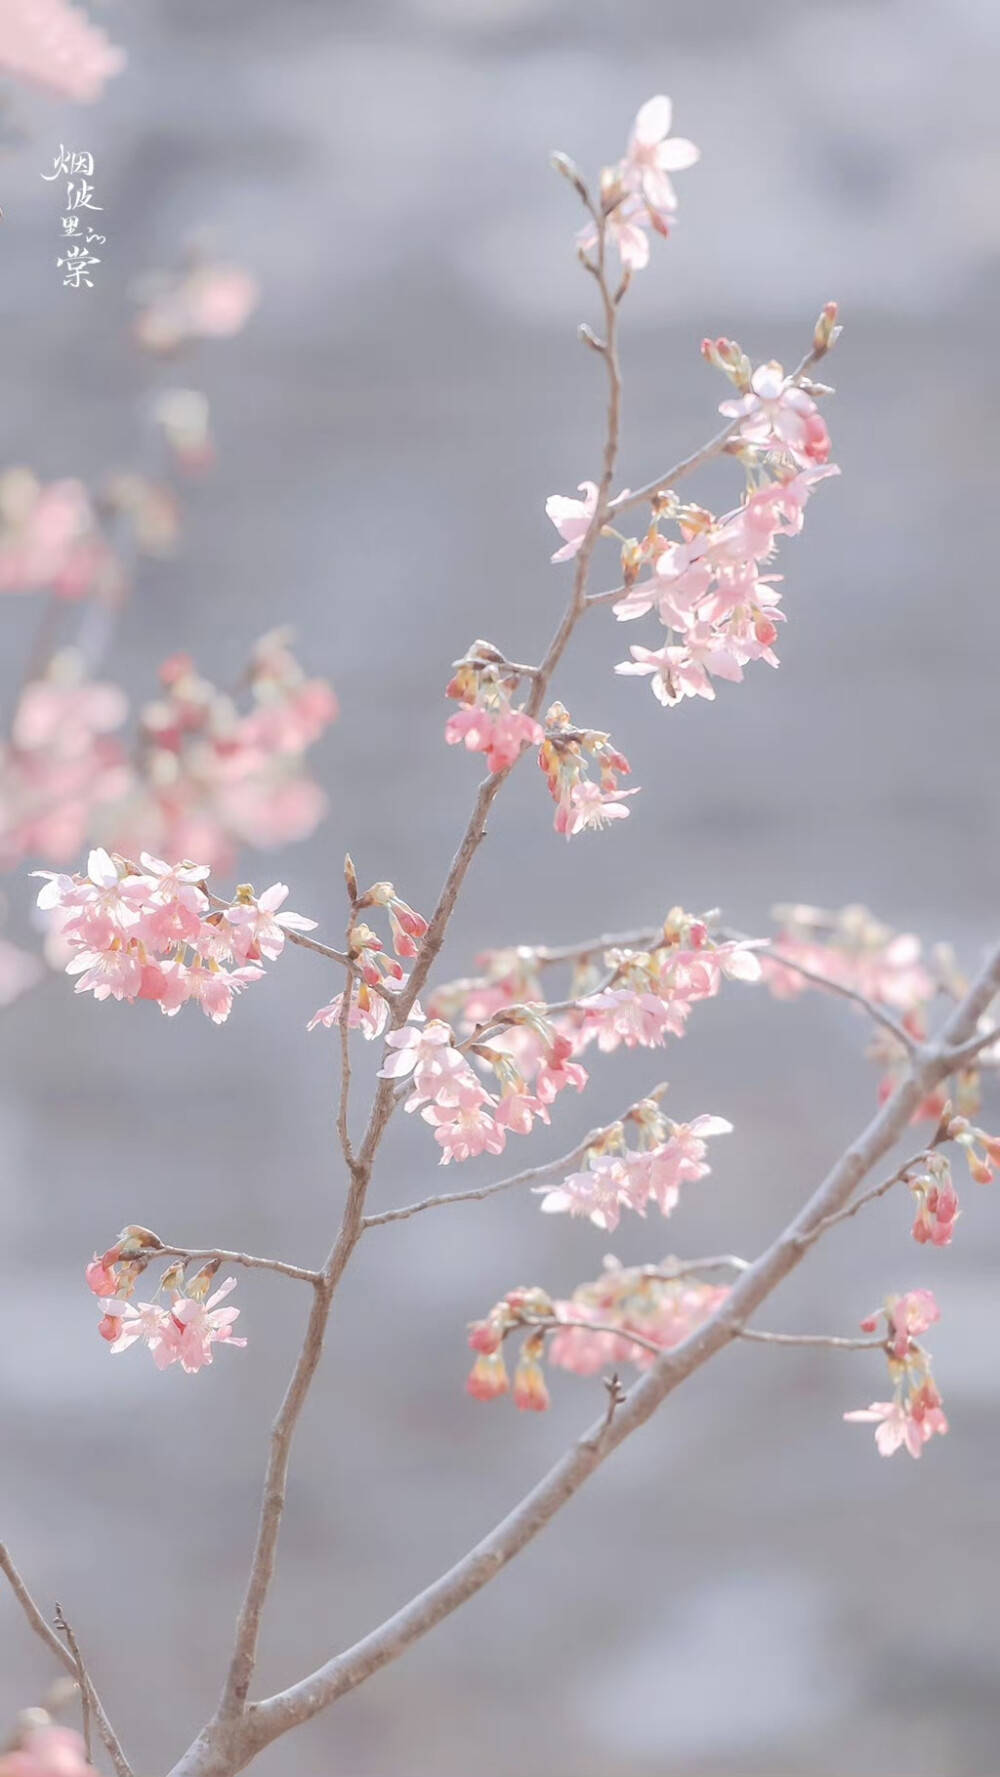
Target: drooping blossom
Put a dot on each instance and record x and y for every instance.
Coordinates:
(914, 1415)
(182, 1330)
(617, 1175)
(488, 722)
(572, 518)
(936, 1208)
(566, 756)
(150, 931)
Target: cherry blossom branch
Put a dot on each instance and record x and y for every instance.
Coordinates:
(532, 1175)
(300, 1702)
(698, 458)
(72, 1663)
(232, 1706)
(825, 1339)
(871, 1196)
(217, 1255)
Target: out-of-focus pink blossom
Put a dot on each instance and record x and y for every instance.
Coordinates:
(660, 1308)
(152, 933)
(49, 537)
(208, 301)
(52, 44)
(44, 1750)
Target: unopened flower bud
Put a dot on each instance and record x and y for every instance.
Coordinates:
(488, 1377)
(826, 332)
(201, 1283)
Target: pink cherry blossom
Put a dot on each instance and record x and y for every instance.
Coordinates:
(653, 154)
(252, 927)
(463, 1124)
(896, 1428)
(572, 518)
(193, 1327)
(369, 1012)
(776, 413)
(688, 670)
(501, 734)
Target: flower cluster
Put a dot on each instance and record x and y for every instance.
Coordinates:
(719, 610)
(660, 1303)
(50, 540)
(183, 1332)
(637, 194)
(487, 722)
(210, 778)
(613, 1321)
(567, 755)
(914, 1414)
(617, 1176)
(153, 933)
(467, 1119)
(651, 992)
(376, 976)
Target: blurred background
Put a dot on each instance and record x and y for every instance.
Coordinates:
(746, 1588)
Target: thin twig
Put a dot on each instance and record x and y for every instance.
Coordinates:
(845, 1215)
(210, 1255)
(826, 1339)
(83, 1680)
(66, 1659)
(532, 1175)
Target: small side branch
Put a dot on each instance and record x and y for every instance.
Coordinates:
(217, 1255)
(828, 1340)
(83, 1680)
(70, 1660)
